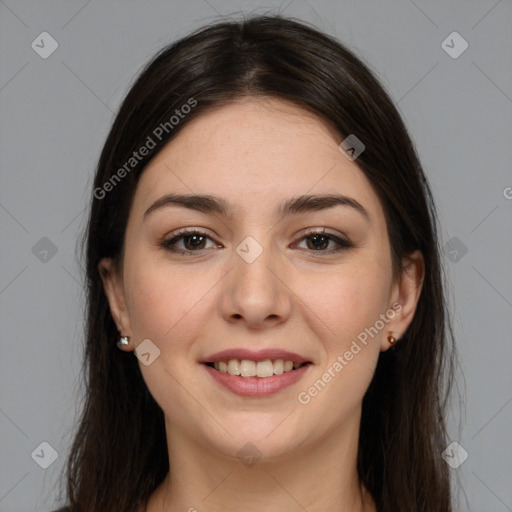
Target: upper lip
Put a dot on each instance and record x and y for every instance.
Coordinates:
(250, 355)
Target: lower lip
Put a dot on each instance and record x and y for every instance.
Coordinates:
(257, 386)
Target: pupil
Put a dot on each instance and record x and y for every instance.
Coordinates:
(318, 245)
(197, 241)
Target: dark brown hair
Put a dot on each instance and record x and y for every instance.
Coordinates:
(119, 453)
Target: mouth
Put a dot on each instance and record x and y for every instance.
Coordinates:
(253, 379)
(246, 368)
(261, 373)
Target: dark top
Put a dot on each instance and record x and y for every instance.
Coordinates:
(67, 509)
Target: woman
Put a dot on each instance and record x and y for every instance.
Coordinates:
(263, 239)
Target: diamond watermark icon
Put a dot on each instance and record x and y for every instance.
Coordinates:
(44, 250)
(44, 45)
(351, 147)
(45, 455)
(249, 455)
(147, 352)
(249, 250)
(454, 455)
(455, 249)
(454, 45)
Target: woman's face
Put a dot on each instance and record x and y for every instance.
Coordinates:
(257, 282)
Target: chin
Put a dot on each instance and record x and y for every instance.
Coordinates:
(262, 435)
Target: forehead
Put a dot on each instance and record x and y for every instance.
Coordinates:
(255, 153)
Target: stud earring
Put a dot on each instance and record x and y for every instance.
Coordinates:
(123, 342)
(391, 339)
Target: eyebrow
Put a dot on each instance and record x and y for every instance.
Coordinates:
(211, 204)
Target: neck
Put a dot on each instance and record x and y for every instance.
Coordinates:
(314, 478)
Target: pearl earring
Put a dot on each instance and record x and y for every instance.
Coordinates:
(123, 341)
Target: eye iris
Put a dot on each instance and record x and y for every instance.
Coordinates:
(318, 244)
(199, 239)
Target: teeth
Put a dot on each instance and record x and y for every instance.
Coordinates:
(264, 368)
(246, 368)
(278, 367)
(233, 367)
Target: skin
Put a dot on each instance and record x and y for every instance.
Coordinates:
(256, 153)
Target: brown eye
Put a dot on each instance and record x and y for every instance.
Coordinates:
(191, 241)
(319, 241)
(194, 241)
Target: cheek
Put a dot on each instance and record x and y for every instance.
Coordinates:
(348, 300)
(164, 304)
(169, 308)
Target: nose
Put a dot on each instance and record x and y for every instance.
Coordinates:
(256, 292)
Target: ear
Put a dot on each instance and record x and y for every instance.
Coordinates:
(114, 290)
(404, 297)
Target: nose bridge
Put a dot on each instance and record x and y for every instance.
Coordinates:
(255, 289)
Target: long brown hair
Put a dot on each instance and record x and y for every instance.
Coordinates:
(119, 454)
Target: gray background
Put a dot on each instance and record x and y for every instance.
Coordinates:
(55, 115)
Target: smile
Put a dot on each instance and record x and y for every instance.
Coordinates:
(254, 378)
(260, 369)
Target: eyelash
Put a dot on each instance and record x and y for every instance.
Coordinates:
(169, 243)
